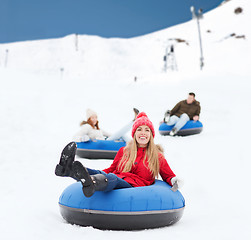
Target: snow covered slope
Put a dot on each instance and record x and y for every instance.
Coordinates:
(42, 106)
(142, 56)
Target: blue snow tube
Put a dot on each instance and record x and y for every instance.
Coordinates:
(190, 128)
(96, 149)
(123, 209)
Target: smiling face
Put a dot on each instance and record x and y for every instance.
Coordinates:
(142, 135)
(94, 119)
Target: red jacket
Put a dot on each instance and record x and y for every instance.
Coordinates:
(140, 175)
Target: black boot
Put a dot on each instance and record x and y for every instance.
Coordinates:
(64, 168)
(136, 112)
(97, 182)
(100, 182)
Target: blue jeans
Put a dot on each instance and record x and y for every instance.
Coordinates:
(178, 122)
(114, 182)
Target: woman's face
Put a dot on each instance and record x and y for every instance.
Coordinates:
(94, 119)
(142, 135)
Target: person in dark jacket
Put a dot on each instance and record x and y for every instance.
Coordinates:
(182, 112)
(135, 165)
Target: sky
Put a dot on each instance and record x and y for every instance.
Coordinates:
(42, 19)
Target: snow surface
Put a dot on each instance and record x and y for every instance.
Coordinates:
(41, 108)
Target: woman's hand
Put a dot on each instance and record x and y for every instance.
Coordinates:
(177, 184)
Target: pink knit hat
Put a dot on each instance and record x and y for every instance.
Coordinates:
(141, 120)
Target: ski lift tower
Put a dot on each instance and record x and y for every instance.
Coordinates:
(198, 16)
(169, 58)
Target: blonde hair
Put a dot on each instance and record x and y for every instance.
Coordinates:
(152, 156)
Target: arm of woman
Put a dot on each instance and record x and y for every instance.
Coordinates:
(84, 130)
(115, 162)
(165, 171)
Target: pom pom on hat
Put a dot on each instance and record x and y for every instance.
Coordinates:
(141, 120)
(90, 113)
(142, 114)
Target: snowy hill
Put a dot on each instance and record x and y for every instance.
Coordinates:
(42, 106)
(80, 55)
